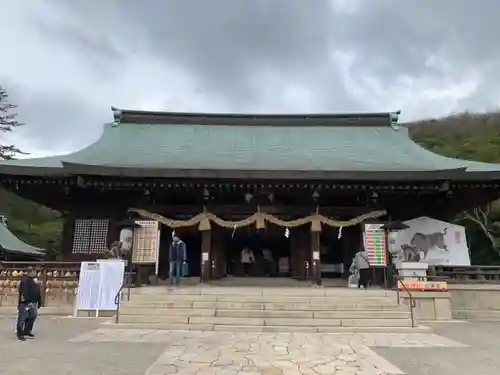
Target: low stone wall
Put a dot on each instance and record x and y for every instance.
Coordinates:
(431, 306)
(479, 302)
(52, 298)
(52, 311)
(57, 302)
(58, 283)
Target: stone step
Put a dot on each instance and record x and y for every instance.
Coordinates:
(242, 305)
(342, 314)
(263, 291)
(250, 298)
(281, 328)
(247, 321)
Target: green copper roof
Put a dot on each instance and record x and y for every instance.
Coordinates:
(12, 244)
(332, 146)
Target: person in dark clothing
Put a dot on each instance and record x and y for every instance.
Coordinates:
(177, 256)
(362, 263)
(28, 304)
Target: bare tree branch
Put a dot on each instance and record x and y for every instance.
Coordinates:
(482, 217)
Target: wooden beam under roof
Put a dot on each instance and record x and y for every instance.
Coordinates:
(251, 209)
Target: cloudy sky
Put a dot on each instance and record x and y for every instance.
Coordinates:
(66, 62)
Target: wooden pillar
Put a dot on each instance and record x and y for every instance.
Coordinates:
(316, 251)
(300, 254)
(217, 254)
(206, 270)
(67, 237)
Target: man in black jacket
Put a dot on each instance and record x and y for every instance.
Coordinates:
(29, 302)
(177, 256)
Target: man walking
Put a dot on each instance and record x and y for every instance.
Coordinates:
(177, 256)
(29, 302)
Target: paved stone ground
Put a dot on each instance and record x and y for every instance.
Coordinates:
(481, 357)
(52, 353)
(82, 347)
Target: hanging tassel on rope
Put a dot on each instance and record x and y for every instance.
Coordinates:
(339, 234)
(287, 233)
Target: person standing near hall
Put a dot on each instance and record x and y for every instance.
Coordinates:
(177, 256)
(28, 305)
(268, 258)
(362, 263)
(247, 259)
(116, 250)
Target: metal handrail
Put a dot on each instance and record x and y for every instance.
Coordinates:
(118, 298)
(119, 295)
(410, 297)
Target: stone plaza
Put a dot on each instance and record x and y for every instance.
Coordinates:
(82, 346)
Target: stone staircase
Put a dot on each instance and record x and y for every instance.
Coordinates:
(265, 309)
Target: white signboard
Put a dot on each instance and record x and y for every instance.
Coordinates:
(99, 284)
(110, 282)
(433, 241)
(88, 286)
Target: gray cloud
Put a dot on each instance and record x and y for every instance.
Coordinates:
(62, 121)
(426, 57)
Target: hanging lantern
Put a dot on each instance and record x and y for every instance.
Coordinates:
(126, 238)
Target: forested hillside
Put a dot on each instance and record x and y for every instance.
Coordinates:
(465, 136)
(473, 137)
(34, 224)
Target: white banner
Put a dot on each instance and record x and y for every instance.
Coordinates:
(433, 241)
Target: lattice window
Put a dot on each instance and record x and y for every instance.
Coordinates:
(90, 236)
(145, 242)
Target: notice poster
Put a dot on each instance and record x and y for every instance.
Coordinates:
(110, 282)
(146, 242)
(88, 286)
(374, 237)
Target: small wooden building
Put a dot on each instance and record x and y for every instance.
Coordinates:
(252, 179)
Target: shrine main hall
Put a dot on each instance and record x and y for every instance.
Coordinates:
(302, 186)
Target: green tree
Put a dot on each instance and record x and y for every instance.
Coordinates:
(8, 123)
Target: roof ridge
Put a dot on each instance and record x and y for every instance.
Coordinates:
(376, 119)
